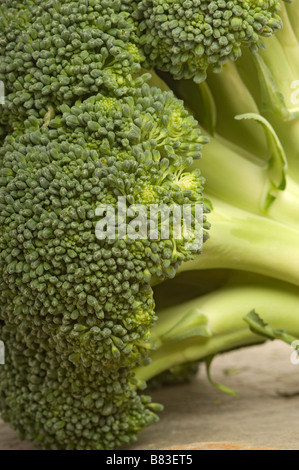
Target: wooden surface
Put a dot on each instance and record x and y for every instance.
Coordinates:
(263, 415)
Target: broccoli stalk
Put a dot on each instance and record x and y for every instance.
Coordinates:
(214, 323)
(238, 177)
(257, 177)
(242, 240)
(277, 67)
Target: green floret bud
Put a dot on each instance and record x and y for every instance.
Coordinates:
(57, 52)
(76, 310)
(188, 38)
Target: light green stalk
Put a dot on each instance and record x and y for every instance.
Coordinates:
(232, 97)
(293, 14)
(288, 133)
(214, 323)
(242, 240)
(278, 68)
(235, 179)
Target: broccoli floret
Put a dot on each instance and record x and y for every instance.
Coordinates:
(77, 310)
(187, 38)
(58, 51)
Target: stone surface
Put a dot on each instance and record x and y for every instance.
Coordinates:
(263, 414)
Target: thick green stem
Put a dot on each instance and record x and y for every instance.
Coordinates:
(233, 178)
(236, 91)
(288, 133)
(293, 14)
(225, 309)
(192, 350)
(241, 240)
(285, 208)
(278, 69)
(232, 97)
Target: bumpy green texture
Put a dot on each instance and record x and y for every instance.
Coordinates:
(57, 51)
(75, 310)
(188, 37)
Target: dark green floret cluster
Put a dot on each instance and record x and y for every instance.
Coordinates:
(76, 310)
(58, 51)
(187, 38)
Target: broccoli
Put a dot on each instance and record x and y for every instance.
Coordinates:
(58, 51)
(188, 38)
(77, 310)
(83, 126)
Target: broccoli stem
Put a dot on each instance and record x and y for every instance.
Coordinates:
(288, 132)
(224, 310)
(236, 91)
(237, 180)
(293, 14)
(232, 97)
(285, 208)
(230, 176)
(242, 240)
(277, 68)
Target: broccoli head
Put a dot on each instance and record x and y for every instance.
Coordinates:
(187, 38)
(57, 51)
(76, 311)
